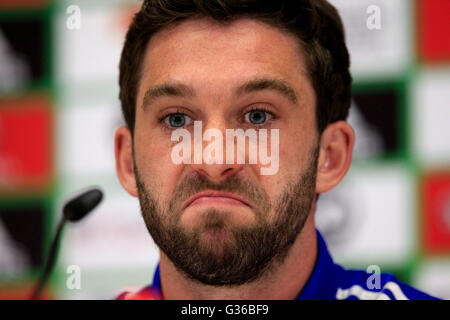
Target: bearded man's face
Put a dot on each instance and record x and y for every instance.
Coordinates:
(242, 75)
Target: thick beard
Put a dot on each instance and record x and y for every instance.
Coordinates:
(248, 252)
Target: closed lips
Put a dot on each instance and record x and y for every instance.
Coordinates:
(212, 195)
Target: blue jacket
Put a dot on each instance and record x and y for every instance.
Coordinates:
(330, 281)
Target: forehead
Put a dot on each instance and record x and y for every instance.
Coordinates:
(195, 49)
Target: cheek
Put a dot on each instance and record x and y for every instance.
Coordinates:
(297, 143)
(293, 151)
(156, 168)
(274, 187)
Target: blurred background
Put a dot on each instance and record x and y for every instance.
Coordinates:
(59, 109)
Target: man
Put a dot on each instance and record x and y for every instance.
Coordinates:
(224, 228)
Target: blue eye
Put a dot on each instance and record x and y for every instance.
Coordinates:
(257, 117)
(177, 120)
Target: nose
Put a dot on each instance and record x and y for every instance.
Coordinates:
(217, 172)
(213, 137)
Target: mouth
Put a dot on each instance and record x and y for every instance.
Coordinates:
(215, 198)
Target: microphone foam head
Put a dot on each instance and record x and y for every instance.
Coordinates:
(80, 206)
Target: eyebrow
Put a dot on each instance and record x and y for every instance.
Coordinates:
(166, 90)
(269, 84)
(182, 90)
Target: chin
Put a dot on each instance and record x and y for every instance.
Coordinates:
(216, 236)
(215, 242)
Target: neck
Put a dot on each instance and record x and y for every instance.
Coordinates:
(284, 283)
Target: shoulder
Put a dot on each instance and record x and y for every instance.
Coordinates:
(361, 285)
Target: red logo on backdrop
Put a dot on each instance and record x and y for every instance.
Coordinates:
(434, 29)
(25, 143)
(436, 212)
(22, 3)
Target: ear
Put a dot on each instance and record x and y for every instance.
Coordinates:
(124, 160)
(335, 157)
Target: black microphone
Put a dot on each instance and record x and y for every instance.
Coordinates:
(74, 210)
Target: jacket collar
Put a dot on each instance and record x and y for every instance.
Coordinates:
(322, 283)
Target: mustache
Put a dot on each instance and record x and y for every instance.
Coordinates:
(196, 183)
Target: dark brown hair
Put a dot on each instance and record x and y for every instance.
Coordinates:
(315, 23)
